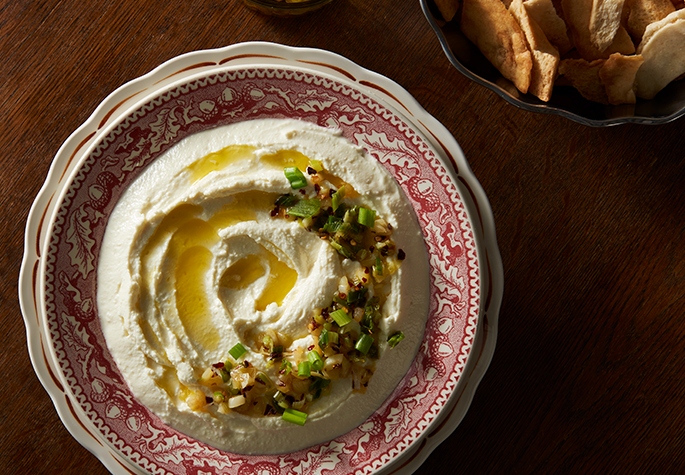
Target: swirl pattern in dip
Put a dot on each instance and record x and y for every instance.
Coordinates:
(193, 263)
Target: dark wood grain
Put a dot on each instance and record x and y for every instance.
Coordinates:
(587, 377)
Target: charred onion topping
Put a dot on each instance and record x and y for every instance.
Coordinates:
(356, 232)
(345, 334)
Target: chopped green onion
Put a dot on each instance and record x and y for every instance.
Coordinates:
(341, 317)
(395, 338)
(294, 416)
(225, 375)
(295, 177)
(337, 197)
(281, 401)
(341, 249)
(286, 200)
(305, 208)
(263, 378)
(356, 295)
(364, 343)
(237, 351)
(342, 209)
(333, 224)
(367, 217)
(268, 343)
(367, 323)
(315, 361)
(323, 338)
(379, 266)
(333, 338)
(316, 165)
(286, 367)
(304, 369)
(317, 385)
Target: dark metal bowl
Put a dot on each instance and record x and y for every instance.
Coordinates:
(667, 106)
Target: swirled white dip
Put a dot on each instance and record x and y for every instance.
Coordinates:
(166, 296)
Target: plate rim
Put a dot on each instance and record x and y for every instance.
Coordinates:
(79, 143)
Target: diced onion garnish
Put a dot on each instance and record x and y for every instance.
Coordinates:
(295, 177)
(236, 401)
(294, 416)
(341, 317)
(218, 397)
(237, 351)
(196, 401)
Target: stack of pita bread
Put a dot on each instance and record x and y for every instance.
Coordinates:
(611, 51)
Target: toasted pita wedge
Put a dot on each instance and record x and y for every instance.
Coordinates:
(559, 8)
(618, 75)
(605, 19)
(578, 14)
(490, 26)
(448, 8)
(546, 16)
(637, 14)
(584, 76)
(663, 53)
(545, 56)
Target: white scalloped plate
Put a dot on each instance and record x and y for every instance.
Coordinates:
(203, 89)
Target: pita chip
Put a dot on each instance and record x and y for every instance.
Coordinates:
(545, 56)
(584, 77)
(448, 8)
(605, 19)
(637, 14)
(546, 16)
(490, 26)
(663, 53)
(618, 75)
(578, 14)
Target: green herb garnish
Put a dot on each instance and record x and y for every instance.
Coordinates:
(367, 217)
(337, 197)
(305, 208)
(294, 416)
(237, 351)
(341, 317)
(315, 361)
(364, 343)
(395, 338)
(295, 177)
(304, 369)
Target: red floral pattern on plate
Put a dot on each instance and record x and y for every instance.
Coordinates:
(224, 97)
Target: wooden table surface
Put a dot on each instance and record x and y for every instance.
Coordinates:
(587, 376)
